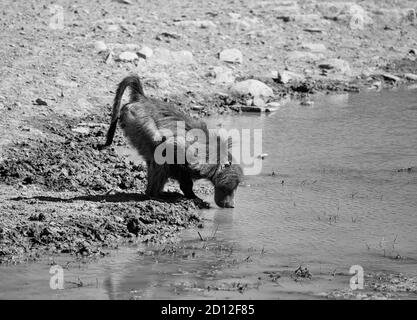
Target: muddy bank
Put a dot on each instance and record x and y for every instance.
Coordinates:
(63, 195)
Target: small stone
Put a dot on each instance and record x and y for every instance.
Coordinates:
(272, 106)
(288, 76)
(253, 87)
(113, 28)
(410, 76)
(40, 102)
(231, 56)
(128, 56)
(390, 77)
(100, 46)
(65, 83)
(307, 103)
(203, 24)
(337, 65)
(313, 30)
(314, 47)
(82, 130)
(146, 52)
(223, 75)
(252, 109)
(258, 102)
(197, 107)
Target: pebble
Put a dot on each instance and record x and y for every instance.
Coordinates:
(288, 76)
(40, 102)
(231, 56)
(203, 24)
(146, 52)
(100, 46)
(82, 130)
(411, 76)
(390, 77)
(128, 56)
(253, 87)
(338, 65)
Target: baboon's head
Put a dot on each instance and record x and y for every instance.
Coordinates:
(226, 183)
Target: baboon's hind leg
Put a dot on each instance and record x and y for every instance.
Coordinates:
(157, 177)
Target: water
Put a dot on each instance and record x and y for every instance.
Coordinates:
(335, 200)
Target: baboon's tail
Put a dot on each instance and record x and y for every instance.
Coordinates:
(136, 91)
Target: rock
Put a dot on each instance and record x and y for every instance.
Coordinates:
(128, 28)
(203, 24)
(145, 52)
(270, 109)
(348, 12)
(376, 85)
(40, 102)
(120, 47)
(169, 35)
(390, 77)
(231, 55)
(183, 57)
(286, 10)
(252, 109)
(314, 47)
(395, 16)
(288, 76)
(109, 58)
(338, 65)
(65, 83)
(313, 30)
(410, 14)
(307, 18)
(244, 23)
(167, 57)
(410, 76)
(234, 15)
(253, 87)
(258, 102)
(197, 108)
(273, 104)
(223, 75)
(128, 56)
(307, 103)
(113, 28)
(100, 46)
(82, 130)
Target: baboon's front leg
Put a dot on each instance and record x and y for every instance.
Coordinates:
(186, 186)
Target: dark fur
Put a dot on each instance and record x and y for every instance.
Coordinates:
(142, 120)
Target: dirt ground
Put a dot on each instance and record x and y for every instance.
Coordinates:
(60, 194)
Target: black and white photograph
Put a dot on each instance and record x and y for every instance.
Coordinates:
(219, 150)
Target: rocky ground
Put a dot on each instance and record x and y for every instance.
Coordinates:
(62, 61)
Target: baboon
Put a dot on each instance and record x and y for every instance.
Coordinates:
(144, 121)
